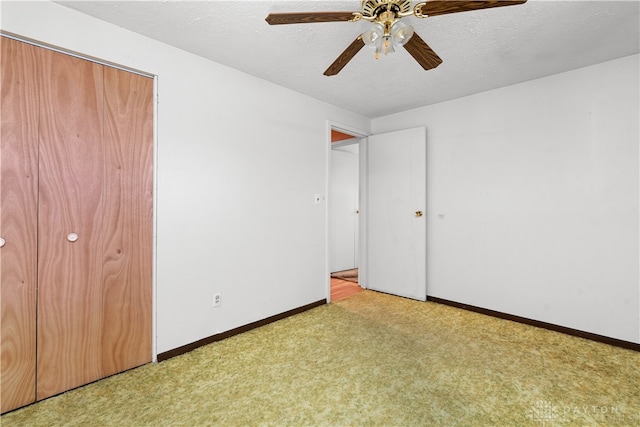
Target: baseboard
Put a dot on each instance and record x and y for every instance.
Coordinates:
(224, 335)
(537, 323)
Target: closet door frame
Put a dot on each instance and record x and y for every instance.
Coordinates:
(153, 235)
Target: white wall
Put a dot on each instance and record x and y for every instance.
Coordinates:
(533, 194)
(236, 178)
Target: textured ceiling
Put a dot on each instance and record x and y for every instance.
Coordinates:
(481, 50)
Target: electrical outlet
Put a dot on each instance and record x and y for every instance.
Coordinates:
(216, 299)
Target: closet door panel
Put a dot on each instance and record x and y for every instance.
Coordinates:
(18, 222)
(71, 192)
(127, 282)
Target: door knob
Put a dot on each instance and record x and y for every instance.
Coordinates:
(418, 213)
(2, 241)
(72, 237)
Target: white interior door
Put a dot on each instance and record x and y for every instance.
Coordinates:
(343, 207)
(396, 202)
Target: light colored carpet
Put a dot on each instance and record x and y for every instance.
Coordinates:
(371, 359)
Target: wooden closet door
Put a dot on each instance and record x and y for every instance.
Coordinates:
(18, 222)
(128, 227)
(71, 167)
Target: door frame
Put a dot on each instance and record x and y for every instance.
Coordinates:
(361, 135)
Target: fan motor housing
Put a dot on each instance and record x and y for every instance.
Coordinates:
(373, 8)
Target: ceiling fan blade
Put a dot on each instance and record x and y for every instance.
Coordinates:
(307, 17)
(441, 7)
(422, 53)
(345, 57)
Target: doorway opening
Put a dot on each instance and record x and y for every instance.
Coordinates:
(343, 212)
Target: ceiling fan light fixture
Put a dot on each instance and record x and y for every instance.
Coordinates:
(373, 36)
(401, 33)
(383, 43)
(376, 39)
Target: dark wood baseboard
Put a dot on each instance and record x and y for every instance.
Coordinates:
(224, 335)
(537, 323)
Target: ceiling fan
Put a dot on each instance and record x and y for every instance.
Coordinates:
(387, 30)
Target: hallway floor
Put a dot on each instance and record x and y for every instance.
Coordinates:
(341, 289)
